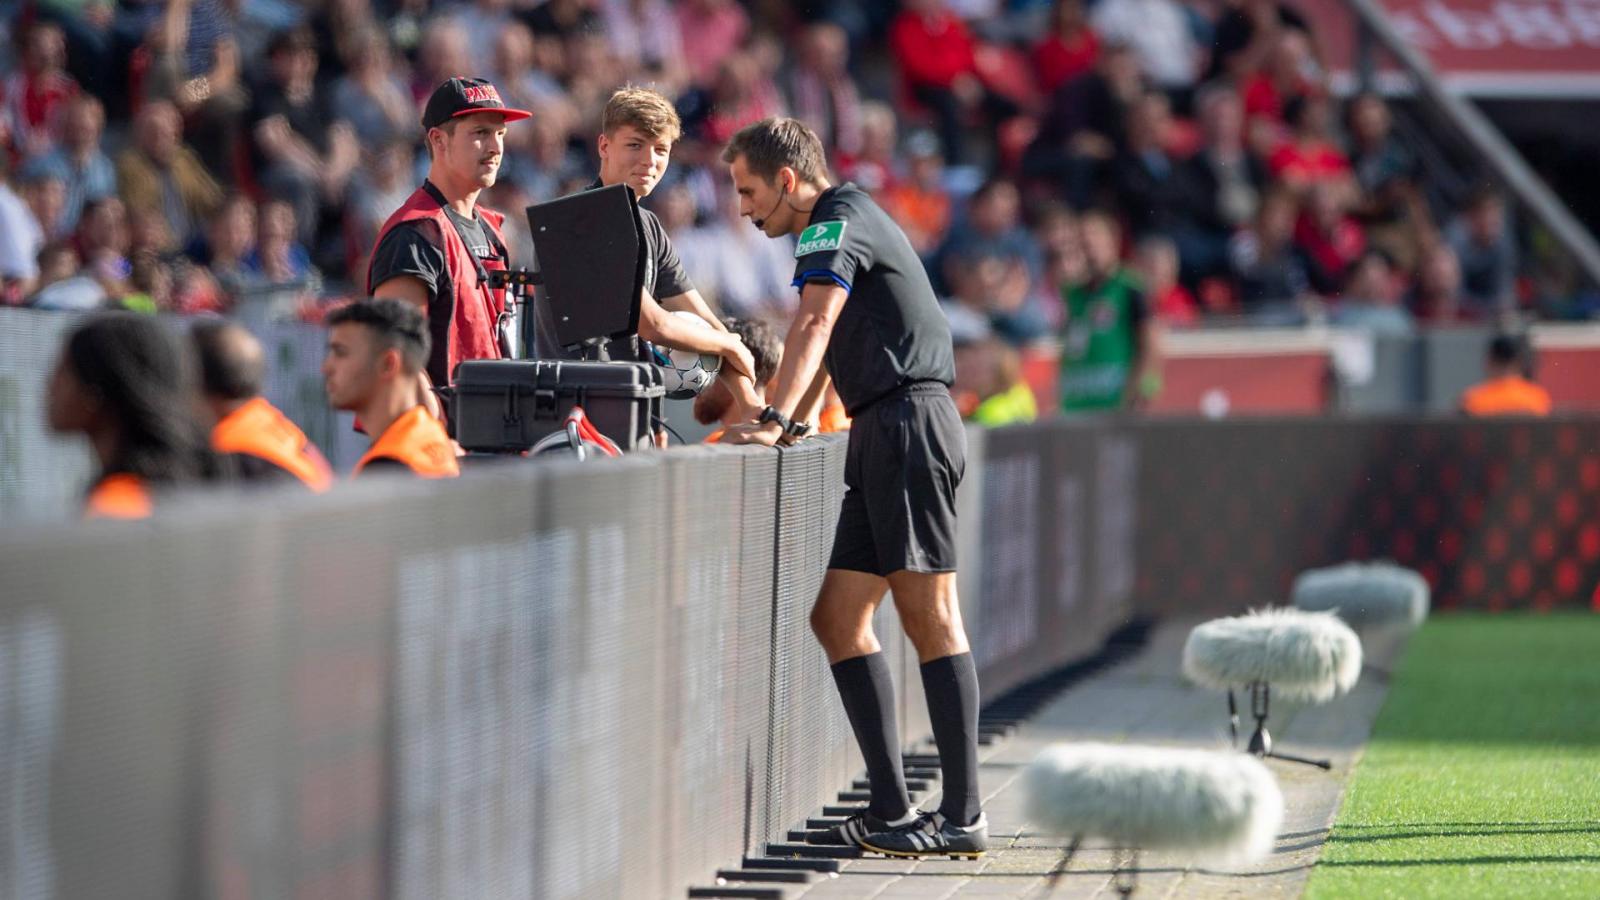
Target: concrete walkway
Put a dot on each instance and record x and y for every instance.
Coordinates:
(1141, 700)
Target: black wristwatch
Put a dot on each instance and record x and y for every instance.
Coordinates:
(771, 414)
(798, 429)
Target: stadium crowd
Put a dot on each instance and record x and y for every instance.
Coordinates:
(200, 156)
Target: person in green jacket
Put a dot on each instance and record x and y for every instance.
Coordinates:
(1108, 358)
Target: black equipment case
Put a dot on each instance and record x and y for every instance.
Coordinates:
(507, 405)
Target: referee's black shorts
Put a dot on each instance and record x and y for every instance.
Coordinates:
(907, 454)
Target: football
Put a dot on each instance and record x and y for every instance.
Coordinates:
(685, 372)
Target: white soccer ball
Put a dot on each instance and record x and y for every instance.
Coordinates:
(685, 372)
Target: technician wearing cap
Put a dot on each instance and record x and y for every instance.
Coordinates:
(439, 247)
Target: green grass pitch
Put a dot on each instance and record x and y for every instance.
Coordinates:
(1482, 778)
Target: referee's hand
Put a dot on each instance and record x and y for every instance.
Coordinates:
(762, 435)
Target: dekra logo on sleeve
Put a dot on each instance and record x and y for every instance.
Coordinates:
(819, 237)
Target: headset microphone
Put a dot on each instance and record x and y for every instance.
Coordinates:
(761, 222)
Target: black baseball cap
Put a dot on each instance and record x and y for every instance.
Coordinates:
(463, 97)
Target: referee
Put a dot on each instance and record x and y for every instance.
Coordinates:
(868, 319)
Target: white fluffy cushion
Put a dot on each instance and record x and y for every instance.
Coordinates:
(1367, 595)
(1301, 655)
(1198, 804)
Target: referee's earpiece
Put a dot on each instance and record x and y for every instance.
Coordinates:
(782, 196)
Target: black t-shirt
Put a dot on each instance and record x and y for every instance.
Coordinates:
(310, 118)
(664, 276)
(891, 331)
(416, 249)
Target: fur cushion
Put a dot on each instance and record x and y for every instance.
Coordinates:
(1199, 804)
(1302, 655)
(1367, 595)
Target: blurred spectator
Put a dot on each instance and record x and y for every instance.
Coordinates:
(592, 73)
(194, 62)
(821, 92)
(990, 262)
(159, 174)
(712, 30)
(304, 151)
(21, 238)
(1156, 264)
(919, 203)
(1271, 273)
(46, 197)
(1389, 203)
(1061, 241)
(278, 257)
(743, 94)
(1436, 298)
(442, 54)
(874, 167)
(1084, 126)
(562, 19)
(149, 285)
(63, 285)
(376, 190)
(78, 161)
(1068, 50)
(522, 84)
(647, 31)
(1288, 74)
(989, 388)
(483, 20)
(737, 268)
(1310, 155)
(1248, 33)
(1109, 358)
(371, 96)
(1159, 33)
(1328, 236)
(1371, 301)
(1487, 252)
(549, 161)
(1508, 389)
(37, 93)
(229, 238)
(938, 64)
(148, 231)
(1155, 188)
(1378, 157)
(1226, 180)
(103, 244)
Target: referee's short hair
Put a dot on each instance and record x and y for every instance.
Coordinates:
(771, 144)
(644, 108)
(397, 325)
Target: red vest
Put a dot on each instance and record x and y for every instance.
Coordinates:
(475, 309)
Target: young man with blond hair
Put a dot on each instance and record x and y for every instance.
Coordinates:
(637, 130)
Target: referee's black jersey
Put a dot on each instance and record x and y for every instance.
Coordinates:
(891, 332)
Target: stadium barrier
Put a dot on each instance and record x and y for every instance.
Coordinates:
(552, 680)
(592, 680)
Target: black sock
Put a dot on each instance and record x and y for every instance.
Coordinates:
(867, 690)
(951, 685)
